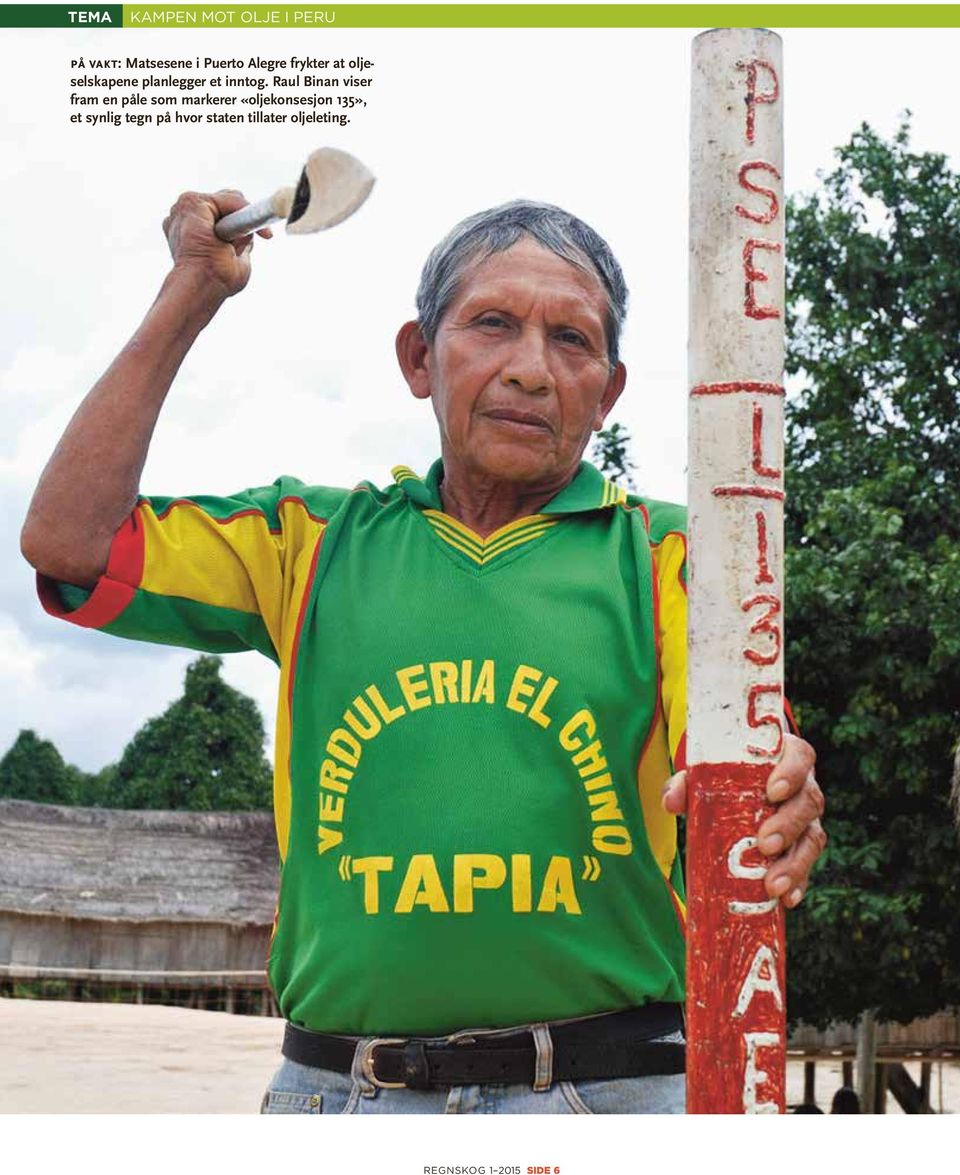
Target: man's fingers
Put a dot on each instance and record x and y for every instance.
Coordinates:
(793, 834)
(779, 831)
(787, 877)
(216, 203)
(789, 775)
(674, 794)
(226, 200)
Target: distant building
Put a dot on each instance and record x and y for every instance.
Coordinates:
(136, 893)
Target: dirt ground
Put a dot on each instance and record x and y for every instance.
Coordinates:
(58, 1057)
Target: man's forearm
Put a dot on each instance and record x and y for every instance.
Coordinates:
(91, 482)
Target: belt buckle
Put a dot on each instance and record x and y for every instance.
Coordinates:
(367, 1062)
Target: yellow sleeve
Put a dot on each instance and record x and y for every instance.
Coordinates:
(216, 574)
(670, 559)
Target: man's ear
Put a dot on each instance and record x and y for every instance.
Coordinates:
(615, 385)
(413, 355)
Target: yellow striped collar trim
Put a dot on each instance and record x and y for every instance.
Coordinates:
(482, 551)
(613, 495)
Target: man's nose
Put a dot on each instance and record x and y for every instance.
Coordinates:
(527, 366)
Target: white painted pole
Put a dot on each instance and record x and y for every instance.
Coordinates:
(735, 998)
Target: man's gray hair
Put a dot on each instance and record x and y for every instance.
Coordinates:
(498, 229)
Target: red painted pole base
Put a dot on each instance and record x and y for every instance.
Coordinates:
(736, 980)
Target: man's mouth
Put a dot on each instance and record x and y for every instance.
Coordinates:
(525, 421)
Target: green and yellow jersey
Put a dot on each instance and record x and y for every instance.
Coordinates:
(472, 737)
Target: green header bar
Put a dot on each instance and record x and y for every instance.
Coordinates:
(559, 15)
(500, 16)
(61, 16)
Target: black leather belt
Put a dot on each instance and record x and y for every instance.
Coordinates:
(617, 1044)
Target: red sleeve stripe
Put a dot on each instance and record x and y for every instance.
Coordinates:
(115, 588)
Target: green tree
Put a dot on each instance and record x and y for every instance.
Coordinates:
(204, 752)
(611, 454)
(873, 574)
(33, 769)
(100, 790)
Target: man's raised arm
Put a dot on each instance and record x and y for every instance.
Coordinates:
(91, 482)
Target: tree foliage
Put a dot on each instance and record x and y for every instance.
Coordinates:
(204, 752)
(873, 574)
(33, 769)
(611, 454)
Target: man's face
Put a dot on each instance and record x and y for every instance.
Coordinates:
(518, 371)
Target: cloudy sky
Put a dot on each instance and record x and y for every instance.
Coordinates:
(297, 375)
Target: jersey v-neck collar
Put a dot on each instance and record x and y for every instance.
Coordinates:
(589, 490)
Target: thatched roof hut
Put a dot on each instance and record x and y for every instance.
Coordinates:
(107, 889)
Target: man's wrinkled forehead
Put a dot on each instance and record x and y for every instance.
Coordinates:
(527, 274)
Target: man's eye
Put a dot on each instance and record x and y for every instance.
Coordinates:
(573, 337)
(491, 320)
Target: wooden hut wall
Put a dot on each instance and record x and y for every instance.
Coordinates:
(154, 945)
(151, 891)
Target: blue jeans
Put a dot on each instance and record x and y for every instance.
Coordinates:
(300, 1089)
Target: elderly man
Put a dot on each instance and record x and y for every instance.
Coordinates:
(482, 692)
